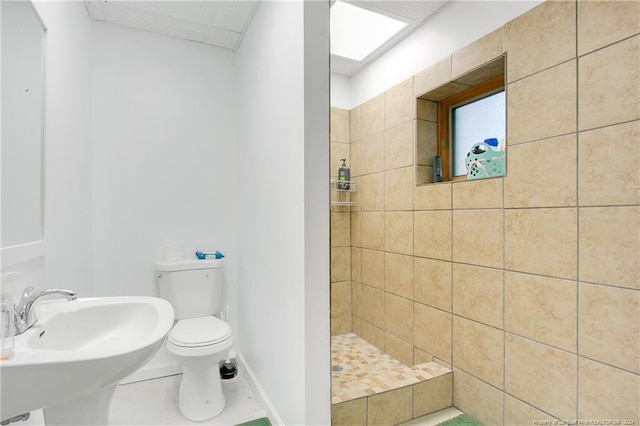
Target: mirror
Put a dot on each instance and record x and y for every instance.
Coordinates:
(22, 126)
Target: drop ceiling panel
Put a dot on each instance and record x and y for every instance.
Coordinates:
(222, 23)
(219, 23)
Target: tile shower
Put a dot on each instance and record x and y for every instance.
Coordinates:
(527, 287)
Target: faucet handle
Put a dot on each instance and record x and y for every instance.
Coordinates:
(27, 293)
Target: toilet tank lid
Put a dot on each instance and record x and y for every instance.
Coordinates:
(186, 265)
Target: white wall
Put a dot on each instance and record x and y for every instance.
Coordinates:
(457, 25)
(164, 156)
(273, 175)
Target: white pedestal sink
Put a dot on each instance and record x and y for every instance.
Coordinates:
(71, 360)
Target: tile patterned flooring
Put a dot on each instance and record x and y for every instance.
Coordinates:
(366, 370)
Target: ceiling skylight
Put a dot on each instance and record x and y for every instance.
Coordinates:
(356, 32)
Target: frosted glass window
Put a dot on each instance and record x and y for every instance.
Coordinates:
(475, 122)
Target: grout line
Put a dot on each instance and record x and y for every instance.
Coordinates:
(577, 118)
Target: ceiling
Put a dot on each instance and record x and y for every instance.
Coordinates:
(223, 23)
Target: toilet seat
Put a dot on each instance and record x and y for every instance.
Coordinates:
(200, 331)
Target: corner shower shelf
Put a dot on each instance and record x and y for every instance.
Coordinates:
(343, 193)
(335, 187)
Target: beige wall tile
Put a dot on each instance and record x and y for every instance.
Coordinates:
(608, 85)
(542, 174)
(542, 105)
(355, 195)
(609, 160)
(426, 142)
(339, 125)
(372, 116)
(340, 298)
(372, 154)
(541, 308)
(398, 317)
(432, 395)
(610, 245)
(356, 325)
(373, 306)
(398, 274)
(478, 237)
(356, 160)
(543, 37)
(476, 398)
(432, 283)
(356, 229)
(541, 376)
(424, 174)
(426, 110)
(601, 23)
(390, 408)
(355, 124)
(340, 264)
(373, 230)
(605, 392)
(373, 268)
(399, 104)
(399, 349)
(610, 325)
(432, 331)
(356, 264)
(339, 150)
(349, 413)
(372, 192)
(420, 356)
(340, 229)
(432, 234)
(542, 241)
(517, 412)
(478, 194)
(432, 77)
(356, 298)
(398, 189)
(477, 293)
(398, 146)
(479, 350)
(398, 232)
(477, 53)
(373, 335)
(432, 197)
(340, 325)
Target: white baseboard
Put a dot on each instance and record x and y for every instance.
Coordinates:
(264, 399)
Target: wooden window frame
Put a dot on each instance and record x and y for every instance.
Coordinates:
(445, 106)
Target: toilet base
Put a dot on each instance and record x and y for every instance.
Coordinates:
(201, 396)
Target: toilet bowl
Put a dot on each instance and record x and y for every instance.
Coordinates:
(198, 345)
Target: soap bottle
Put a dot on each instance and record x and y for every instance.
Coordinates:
(344, 176)
(6, 324)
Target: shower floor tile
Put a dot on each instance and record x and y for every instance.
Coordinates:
(366, 370)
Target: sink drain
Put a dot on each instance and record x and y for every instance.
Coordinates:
(336, 368)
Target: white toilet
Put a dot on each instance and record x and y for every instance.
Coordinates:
(198, 341)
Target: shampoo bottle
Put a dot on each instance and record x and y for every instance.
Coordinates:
(344, 175)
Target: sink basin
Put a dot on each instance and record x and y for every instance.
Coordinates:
(70, 361)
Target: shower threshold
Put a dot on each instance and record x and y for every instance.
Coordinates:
(367, 382)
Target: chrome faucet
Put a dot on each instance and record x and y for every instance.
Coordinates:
(24, 313)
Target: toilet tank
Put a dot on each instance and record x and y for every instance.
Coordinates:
(193, 287)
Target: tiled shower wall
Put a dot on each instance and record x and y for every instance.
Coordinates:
(528, 285)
